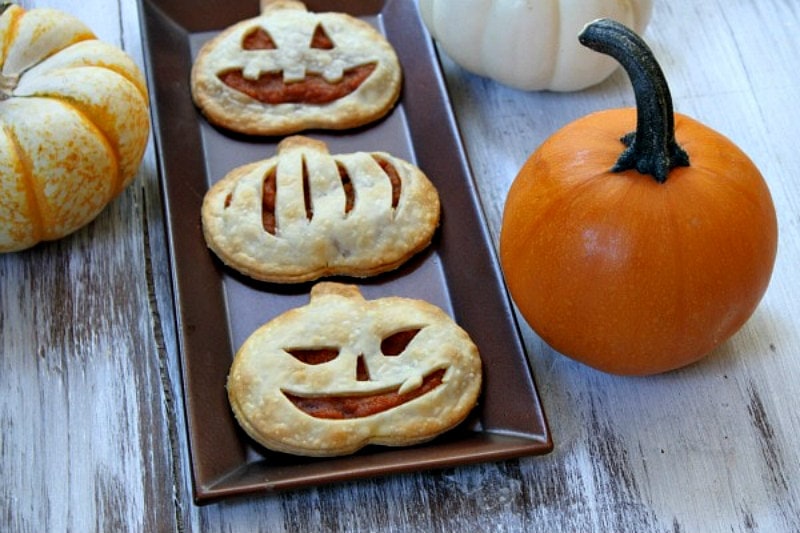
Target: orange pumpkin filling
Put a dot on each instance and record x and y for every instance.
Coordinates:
(358, 406)
(347, 185)
(269, 88)
(269, 192)
(394, 178)
(259, 39)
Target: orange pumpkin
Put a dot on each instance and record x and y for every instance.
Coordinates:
(637, 253)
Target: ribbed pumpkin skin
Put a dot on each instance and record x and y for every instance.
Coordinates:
(74, 124)
(529, 45)
(626, 274)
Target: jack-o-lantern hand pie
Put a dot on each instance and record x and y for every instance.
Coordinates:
(290, 69)
(304, 214)
(341, 372)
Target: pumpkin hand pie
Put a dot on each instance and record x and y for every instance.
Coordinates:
(341, 372)
(290, 69)
(304, 214)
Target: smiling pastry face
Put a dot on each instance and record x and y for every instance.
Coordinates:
(290, 69)
(342, 372)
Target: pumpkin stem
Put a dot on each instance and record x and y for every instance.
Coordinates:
(266, 5)
(652, 148)
(7, 86)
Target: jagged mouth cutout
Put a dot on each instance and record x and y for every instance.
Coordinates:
(313, 89)
(342, 407)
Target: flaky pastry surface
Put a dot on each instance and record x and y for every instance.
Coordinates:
(291, 26)
(315, 233)
(265, 374)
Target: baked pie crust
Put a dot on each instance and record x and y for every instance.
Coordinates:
(289, 70)
(304, 214)
(324, 380)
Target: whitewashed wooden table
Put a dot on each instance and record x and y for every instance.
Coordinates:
(91, 412)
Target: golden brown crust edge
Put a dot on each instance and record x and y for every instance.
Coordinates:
(371, 239)
(230, 109)
(259, 373)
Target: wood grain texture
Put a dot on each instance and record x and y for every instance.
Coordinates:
(91, 414)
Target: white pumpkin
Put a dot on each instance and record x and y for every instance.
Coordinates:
(74, 124)
(529, 44)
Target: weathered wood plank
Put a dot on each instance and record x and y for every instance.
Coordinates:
(84, 440)
(708, 447)
(91, 414)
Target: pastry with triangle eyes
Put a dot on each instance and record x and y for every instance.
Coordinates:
(304, 214)
(290, 69)
(341, 372)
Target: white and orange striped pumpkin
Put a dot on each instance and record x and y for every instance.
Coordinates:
(74, 124)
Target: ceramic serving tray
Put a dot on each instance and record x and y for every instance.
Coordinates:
(217, 309)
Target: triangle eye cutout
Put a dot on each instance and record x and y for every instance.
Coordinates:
(321, 40)
(258, 39)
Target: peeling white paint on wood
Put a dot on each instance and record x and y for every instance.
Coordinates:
(91, 415)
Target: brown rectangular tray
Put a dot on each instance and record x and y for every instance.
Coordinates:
(217, 309)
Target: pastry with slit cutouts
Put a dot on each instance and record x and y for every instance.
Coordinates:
(304, 214)
(290, 69)
(342, 372)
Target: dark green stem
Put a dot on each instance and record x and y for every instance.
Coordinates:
(652, 148)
